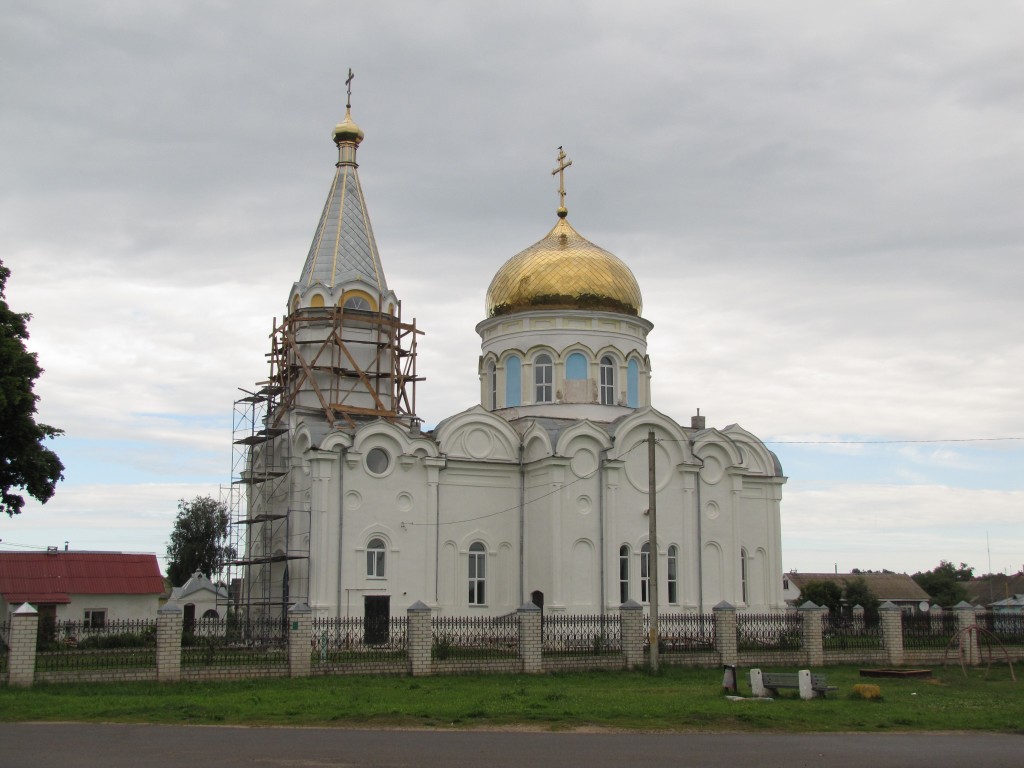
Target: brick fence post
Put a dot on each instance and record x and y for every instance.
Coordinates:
(812, 618)
(169, 620)
(21, 659)
(419, 639)
(631, 629)
(300, 631)
(935, 622)
(967, 617)
(725, 633)
(890, 619)
(531, 644)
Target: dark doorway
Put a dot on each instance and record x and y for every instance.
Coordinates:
(188, 622)
(537, 598)
(376, 619)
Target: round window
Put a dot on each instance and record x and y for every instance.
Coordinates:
(378, 460)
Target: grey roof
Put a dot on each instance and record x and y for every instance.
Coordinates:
(343, 247)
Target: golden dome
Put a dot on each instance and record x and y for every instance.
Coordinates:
(564, 270)
(347, 130)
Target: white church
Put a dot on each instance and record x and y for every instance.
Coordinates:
(538, 493)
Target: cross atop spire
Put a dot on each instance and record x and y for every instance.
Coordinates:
(348, 85)
(560, 170)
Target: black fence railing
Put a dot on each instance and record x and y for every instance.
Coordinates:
(1006, 626)
(842, 633)
(475, 637)
(235, 642)
(4, 645)
(925, 631)
(767, 631)
(581, 635)
(352, 640)
(79, 645)
(684, 632)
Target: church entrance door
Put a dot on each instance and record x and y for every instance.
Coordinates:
(377, 619)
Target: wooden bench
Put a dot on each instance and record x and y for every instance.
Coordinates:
(762, 683)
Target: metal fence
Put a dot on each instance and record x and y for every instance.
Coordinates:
(581, 635)
(841, 633)
(922, 631)
(235, 642)
(351, 639)
(1006, 626)
(475, 637)
(78, 645)
(685, 632)
(767, 631)
(4, 645)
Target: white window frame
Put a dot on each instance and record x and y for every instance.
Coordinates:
(376, 558)
(95, 618)
(673, 574)
(543, 379)
(623, 573)
(477, 573)
(607, 380)
(645, 573)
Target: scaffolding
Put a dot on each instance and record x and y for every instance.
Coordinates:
(340, 365)
(349, 364)
(269, 530)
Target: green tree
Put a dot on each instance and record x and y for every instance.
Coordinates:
(858, 592)
(823, 593)
(945, 582)
(199, 541)
(25, 462)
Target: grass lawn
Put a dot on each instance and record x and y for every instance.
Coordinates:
(677, 699)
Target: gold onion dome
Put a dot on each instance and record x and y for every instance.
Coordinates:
(347, 130)
(564, 271)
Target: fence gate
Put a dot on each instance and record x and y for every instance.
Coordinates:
(377, 619)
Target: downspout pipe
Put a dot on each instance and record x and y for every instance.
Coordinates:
(522, 523)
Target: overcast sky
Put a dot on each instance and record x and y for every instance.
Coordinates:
(821, 203)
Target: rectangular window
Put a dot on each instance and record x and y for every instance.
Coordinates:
(645, 574)
(673, 577)
(95, 619)
(477, 574)
(623, 574)
(544, 377)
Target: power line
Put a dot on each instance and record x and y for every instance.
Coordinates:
(528, 501)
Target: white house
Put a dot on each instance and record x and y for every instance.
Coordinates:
(538, 492)
(93, 587)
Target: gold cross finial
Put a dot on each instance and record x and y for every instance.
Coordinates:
(348, 84)
(560, 170)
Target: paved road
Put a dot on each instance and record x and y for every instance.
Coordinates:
(72, 745)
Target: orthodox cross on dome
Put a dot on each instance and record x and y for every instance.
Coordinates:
(348, 85)
(560, 170)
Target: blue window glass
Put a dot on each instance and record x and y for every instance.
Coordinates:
(633, 384)
(513, 388)
(576, 366)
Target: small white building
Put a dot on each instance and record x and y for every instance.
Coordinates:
(199, 598)
(92, 587)
(537, 492)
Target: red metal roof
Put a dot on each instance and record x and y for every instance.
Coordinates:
(51, 577)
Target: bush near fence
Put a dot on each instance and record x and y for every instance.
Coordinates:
(238, 647)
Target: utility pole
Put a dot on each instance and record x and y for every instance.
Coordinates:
(652, 559)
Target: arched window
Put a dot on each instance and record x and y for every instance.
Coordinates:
(645, 573)
(357, 302)
(513, 387)
(633, 384)
(673, 574)
(477, 573)
(492, 386)
(543, 379)
(623, 573)
(743, 575)
(607, 381)
(375, 558)
(576, 367)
